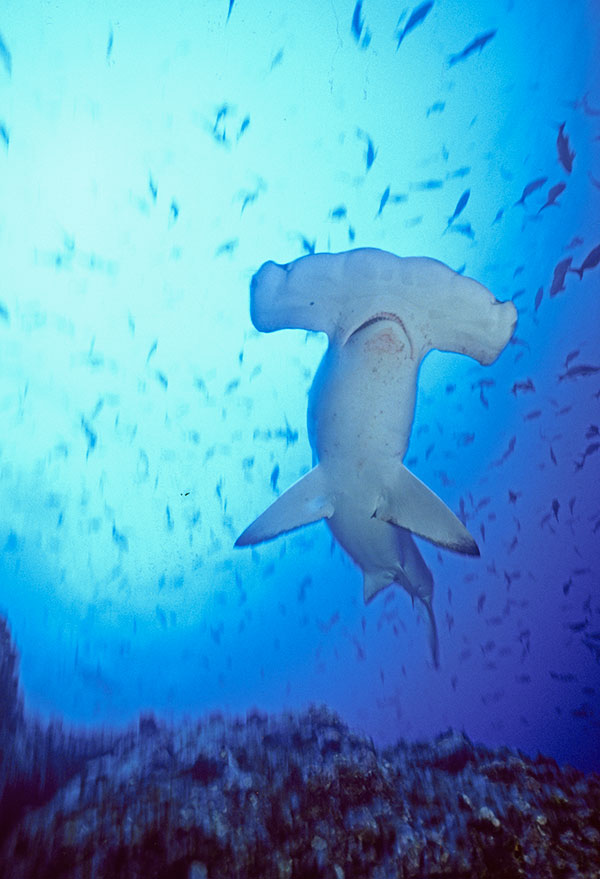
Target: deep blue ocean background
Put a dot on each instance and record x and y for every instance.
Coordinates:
(152, 157)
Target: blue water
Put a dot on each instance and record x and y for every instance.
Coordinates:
(152, 157)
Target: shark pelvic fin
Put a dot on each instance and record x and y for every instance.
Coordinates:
(408, 503)
(374, 582)
(306, 501)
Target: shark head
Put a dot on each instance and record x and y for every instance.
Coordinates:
(298, 295)
(342, 292)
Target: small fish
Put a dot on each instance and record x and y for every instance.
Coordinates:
(565, 678)
(109, 45)
(417, 16)
(531, 188)
(153, 348)
(578, 627)
(578, 371)
(4, 134)
(560, 273)
(227, 246)
(438, 107)
(553, 194)
(565, 154)
(555, 508)
(510, 449)
(538, 298)
(571, 356)
(357, 22)
(589, 111)
(523, 386)
(5, 56)
(428, 184)
(591, 449)
(521, 342)
(231, 2)
(243, 126)
(530, 416)
(371, 153)
(463, 229)
(4, 312)
(590, 262)
(498, 216)
(574, 242)
(274, 477)
(460, 172)
(152, 187)
(277, 59)
(248, 198)
(91, 435)
(162, 379)
(338, 213)
(218, 130)
(383, 201)
(460, 206)
(308, 246)
(478, 43)
(120, 539)
(174, 210)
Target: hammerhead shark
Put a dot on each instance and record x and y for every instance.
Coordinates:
(382, 314)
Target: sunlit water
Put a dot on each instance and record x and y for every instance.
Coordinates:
(152, 157)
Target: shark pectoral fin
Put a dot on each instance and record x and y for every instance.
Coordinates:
(306, 501)
(409, 504)
(374, 582)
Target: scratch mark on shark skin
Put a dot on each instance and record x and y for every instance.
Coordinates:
(384, 316)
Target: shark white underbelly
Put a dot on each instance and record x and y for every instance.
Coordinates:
(382, 315)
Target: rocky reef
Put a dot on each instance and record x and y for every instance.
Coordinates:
(290, 796)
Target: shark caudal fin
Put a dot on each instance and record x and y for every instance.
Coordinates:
(434, 641)
(408, 503)
(306, 501)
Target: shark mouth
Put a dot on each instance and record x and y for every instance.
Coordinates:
(384, 316)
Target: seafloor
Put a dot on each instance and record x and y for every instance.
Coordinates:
(286, 796)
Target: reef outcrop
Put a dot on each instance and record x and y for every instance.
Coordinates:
(285, 796)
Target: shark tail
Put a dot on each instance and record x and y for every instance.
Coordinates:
(434, 641)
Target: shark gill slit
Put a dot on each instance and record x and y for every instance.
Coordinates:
(385, 315)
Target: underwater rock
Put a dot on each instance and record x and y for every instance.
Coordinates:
(292, 795)
(36, 758)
